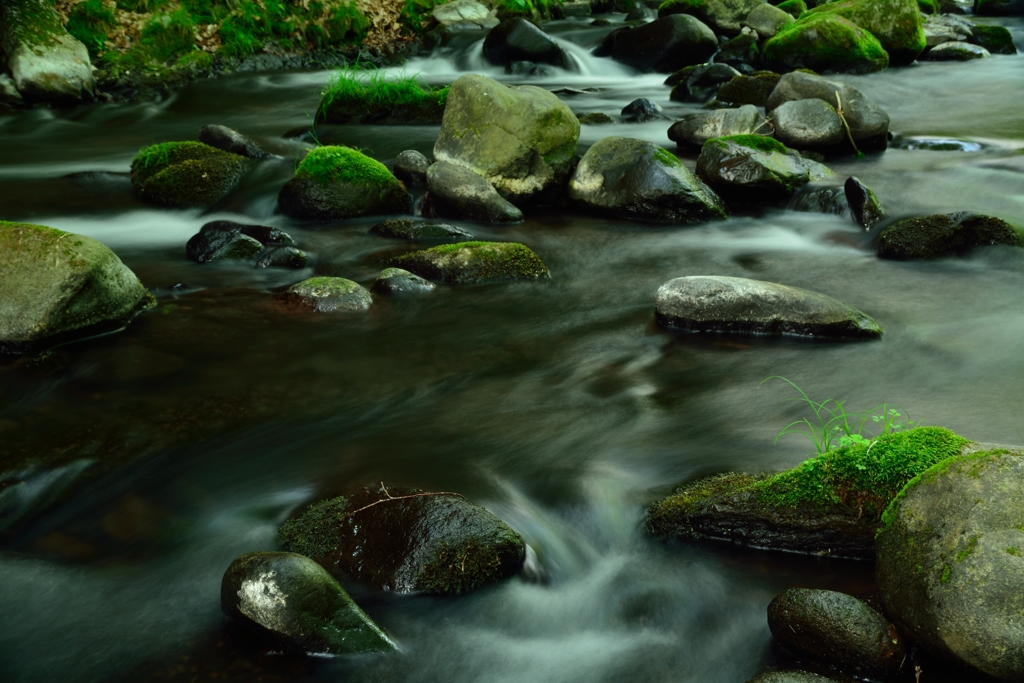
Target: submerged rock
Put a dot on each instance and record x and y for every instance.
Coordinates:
(837, 630)
(897, 24)
(829, 505)
(956, 51)
(186, 174)
(952, 234)
(641, 110)
(520, 40)
(696, 129)
(868, 122)
(520, 139)
(230, 140)
(328, 295)
(335, 182)
(950, 561)
(705, 303)
(724, 16)
(863, 203)
(767, 20)
(755, 168)
(665, 45)
(473, 262)
(416, 231)
(411, 168)
(57, 286)
(457, 192)
(227, 240)
(292, 601)
(639, 180)
(395, 281)
(825, 43)
(407, 540)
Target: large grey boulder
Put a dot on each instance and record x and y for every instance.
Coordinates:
(837, 630)
(665, 45)
(868, 122)
(639, 180)
(47, 63)
(694, 130)
(704, 303)
(807, 124)
(767, 20)
(458, 192)
(724, 16)
(292, 601)
(474, 262)
(519, 40)
(520, 139)
(56, 287)
(950, 561)
(751, 168)
(952, 234)
(407, 540)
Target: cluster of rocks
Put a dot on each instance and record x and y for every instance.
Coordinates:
(950, 37)
(261, 245)
(389, 538)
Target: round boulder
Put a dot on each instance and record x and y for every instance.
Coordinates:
(838, 630)
(292, 601)
(739, 305)
(395, 281)
(825, 43)
(868, 122)
(457, 192)
(807, 123)
(753, 89)
(951, 234)
(407, 540)
(411, 168)
(230, 140)
(328, 295)
(56, 286)
(641, 110)
(950, 561)
(897, 24)
(755, 168)
(639, 180)
(473, 262)
(665, 45)
(186, 174)
(767, 20)
(724, 16)
(519, 40)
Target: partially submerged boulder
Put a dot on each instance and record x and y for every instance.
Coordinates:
(411, 168)
(407, 540)
(57, 286)
(868, 122)
(328, 295)
(824, 43)
(641, 110)
(474, 262)
(520, 139)
(724, 16)
(950, 561)
(807, 124)
(520, 40)
(897, 24)
(748, 89)
(952, 234)
(996, 39)
(230, 140)
(420, 231)
(864, 205)
(294, 603)
(457, 192)
(829, 505)
(186, 174)
(706, 303)
(837, 630)
(755, 168)
(767, 20)
(694, 130)
(335, 182)
(639, 180)
(665, 45)
(227, 240)
(395, 282)
(956, 51)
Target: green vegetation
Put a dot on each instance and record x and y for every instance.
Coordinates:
(896, 24)
(1015, 551)
(314, 533)
(336, 164)
(761, 143)
(185, 174)
(793, 7)
(465, 262)
(666, 157)
(461, 568)
(354, 93)
(825, 43)
(928, 6)
(91, 22)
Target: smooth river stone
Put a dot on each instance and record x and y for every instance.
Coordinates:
(739, 305)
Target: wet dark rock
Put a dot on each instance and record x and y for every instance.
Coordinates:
(520, 40)
(766, 20)
(186, 174)
(749, 168)
(282, 257)
(666, 45)
(407, 540)
(524, 68)
(939, 30)
(999, 8)
(57, 286)
(790, 677)
(837, 630)
(227, 240)
(411, 168)
(639, 180)
(573, 8)
(595, 119)
(422, 231)
(474, 262)
(457, 192)
(641, 110)
(956, 51)
(868, 122)
(724, 16)
(696, 129)
(863, 203)
(328, 295)
(995, 39)
(806, 124)
(952, 234)
(741, 52)
(739, 305)
(294, 603)
(395, 282)
(950, 561)
(230, 140)
(748, 89)
(830, 200)
(793, 8)
(9, 94)
(895, 23)
(701, 82)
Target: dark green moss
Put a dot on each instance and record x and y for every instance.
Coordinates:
(168, 36)
(314, 533)
(33, 22)
(941, 235)
(824, 43)
(185, 174)
(666, 157)
(461, 568)
(895, 23)
(90, 22)
(336, 164)
(669, 7)
(466, 262)
(793, 7)
(1015, 551)
(928, 6)
(686, 497)
(761, 143)
(995, 39)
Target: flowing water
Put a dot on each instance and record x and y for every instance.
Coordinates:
(558, 405)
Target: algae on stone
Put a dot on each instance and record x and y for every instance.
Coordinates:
(825, 43)
(472, 262)
(897, 24)
(186, 174)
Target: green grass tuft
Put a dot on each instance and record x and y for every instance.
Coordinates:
(352, 87)
(336, 164)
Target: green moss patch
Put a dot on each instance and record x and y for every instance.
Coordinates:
(761, 143)
(359, 95)
(896, 24)
(185, 174)
(314, 533)
(467, 262)
(336, 164)
(825, 43)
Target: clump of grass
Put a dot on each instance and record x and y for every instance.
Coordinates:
(355, 87)
(90, 22)
(336, 164)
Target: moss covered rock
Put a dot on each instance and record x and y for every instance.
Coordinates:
(790, 676)
(829, 505)
(748, 89)
(186, 174)
(665, 45)
(639, 180)
(294, 603)
(724, 16)
(420, 231)
(755, 168)
(336, 182)
(952, 234)
(995, 39)
(793, 7)
(398, 282)
(329, 295)
(897, 24)
(824, 43)
(407, 540)
(693, 130)
(56, 287)
(471, 262)
(521, 139)
(950, 561)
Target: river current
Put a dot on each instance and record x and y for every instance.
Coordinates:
(560, 406)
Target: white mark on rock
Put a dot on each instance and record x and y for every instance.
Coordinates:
(261, 600)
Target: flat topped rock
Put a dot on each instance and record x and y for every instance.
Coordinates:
(470, 262)
(404, 229)
(739, 305)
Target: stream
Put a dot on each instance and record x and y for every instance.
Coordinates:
(560, 406)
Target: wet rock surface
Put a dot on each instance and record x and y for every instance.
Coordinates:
(868, 122)
(186, 174)
(403, 229)
(230, 140)
(227, 240)
(864, 205)
(328, 295)
(458, 192)
(520, 40)
(696, 129)
(790, 677)
(956, 51)
(397, 282)
(665, 45)
(474, 262)
(804, 124)
(952, 234)
(746, 168)
(411, 168)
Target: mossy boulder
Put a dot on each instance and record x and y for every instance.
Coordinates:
(56, 287)
(897, 24)
(831, 504)
(952, 234)
(407, 540)
(473, 262)
(748, 89)
(790, 676)
(335, 182)
(724, 16)
(837, 630)
(794, 8)
(520, 139)
(950, 561)
(639, 180)
(824, 43)
(420, 231)
(999, 8)
(186, 174)
(328, 295)
(755, 168)
(707, 303)
(398, 282)
(995, 39)
(295, 604)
